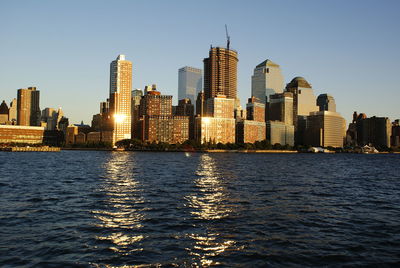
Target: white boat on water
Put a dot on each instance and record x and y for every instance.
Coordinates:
(369, 150)
(319, 150)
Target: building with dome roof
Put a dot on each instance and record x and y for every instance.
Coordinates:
(304, 101)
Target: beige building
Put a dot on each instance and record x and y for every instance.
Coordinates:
(215, 130)
(28, 111)
(219, 124)
(220, 107)
(220, 73)
(120, 98)
(72, 131)
(281, 133)
(325, 128)
(266, 80)
(12, 112)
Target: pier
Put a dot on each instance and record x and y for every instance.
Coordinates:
(30, 149)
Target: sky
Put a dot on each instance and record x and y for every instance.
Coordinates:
(349, 49)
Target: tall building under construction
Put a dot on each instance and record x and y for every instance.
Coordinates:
(220, 73)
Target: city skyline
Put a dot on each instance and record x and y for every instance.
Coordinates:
(65, 60)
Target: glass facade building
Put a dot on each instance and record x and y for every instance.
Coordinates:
(190, 83)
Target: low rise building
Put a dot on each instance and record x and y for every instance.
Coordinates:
(280, 133)
(250, 131)
(218, 124)
(21, 134)
(170, 129)
(215, 130)
(395, 138)
(252, 128)
(325, 129)
(93, 137)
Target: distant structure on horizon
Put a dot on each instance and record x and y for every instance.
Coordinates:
(4, 111)
(220, 73)
(120, 98)
(266, 80)
(12, 113)
(190, 83)
(28, 110)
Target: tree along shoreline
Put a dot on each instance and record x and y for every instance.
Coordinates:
(194, 146)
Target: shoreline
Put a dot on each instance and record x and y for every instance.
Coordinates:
(248, 151)
(30, 149)
(183, 151)
(219, 151)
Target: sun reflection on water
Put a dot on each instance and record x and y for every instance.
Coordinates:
(121, 217)
(209, 203)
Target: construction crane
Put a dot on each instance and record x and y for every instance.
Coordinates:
(228, 38)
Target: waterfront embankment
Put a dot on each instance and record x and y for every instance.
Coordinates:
(30, 149)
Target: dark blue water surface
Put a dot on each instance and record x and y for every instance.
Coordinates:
(122, 209)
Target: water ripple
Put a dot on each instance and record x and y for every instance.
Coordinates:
(116, 209)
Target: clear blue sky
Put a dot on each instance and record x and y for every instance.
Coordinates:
(349, 49)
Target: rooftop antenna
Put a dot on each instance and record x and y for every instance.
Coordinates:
(228, 38)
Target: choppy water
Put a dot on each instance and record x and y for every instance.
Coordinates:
(122, 209)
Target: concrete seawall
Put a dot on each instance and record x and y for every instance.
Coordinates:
(30, 149)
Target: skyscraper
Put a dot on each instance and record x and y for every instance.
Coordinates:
(120, 97)
(326, 102)
(28, 111)
(304, 101)
(220, 73)
(266, 80)
(189, 83)
(157, 123)
(281, 107)
(137, 95)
